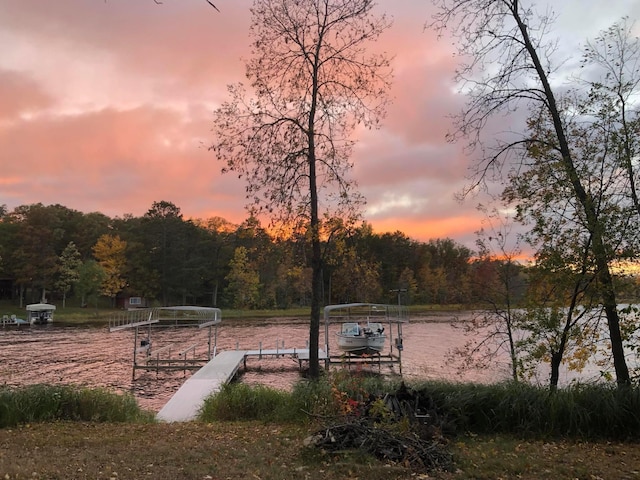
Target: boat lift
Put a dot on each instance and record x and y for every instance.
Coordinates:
(161, 359)
(389, 315)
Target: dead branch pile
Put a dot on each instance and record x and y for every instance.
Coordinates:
(406, 436)
(385, 444)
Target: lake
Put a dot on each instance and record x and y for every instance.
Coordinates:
(95, 357)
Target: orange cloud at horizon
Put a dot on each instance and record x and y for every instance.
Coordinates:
(429, 229)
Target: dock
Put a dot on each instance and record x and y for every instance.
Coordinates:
(7, 320)
(214, 369)
(187, 401)
(185, 404)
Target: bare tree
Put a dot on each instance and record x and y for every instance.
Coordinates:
(509, 67)
(614, 56)
(313, 82)
(501, 285)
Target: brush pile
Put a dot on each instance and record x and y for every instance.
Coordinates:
(400, 427)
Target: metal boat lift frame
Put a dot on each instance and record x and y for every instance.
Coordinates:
(391, 315)
(182, 315)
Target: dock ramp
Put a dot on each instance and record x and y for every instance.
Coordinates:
(187, 401)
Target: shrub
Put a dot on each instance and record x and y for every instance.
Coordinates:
(330, 396)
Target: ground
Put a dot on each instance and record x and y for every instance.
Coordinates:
(239, 450)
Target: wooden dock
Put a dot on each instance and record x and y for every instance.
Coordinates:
(187, 401)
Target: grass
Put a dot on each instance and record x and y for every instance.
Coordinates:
(243, 402)
(47, 403)
(52, 432)
(580, 411)
(254, 449)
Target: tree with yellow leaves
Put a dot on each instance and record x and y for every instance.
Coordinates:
(109, 251)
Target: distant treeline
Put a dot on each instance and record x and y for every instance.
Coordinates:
(163, 259)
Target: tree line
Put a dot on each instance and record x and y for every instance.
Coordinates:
(167, 259)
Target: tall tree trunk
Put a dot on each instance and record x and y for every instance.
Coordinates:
(594, 225)
(316, 302)
(556, 359)
(613, 321)
(316, 264)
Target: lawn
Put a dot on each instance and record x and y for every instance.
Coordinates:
(255, 450)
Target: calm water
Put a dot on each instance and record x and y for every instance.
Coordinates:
(94, 357)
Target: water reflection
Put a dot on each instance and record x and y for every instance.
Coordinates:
(96, 358)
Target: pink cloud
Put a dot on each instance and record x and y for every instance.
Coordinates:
(163, 68)
(115, 162)
(20, 94)
(107, 106)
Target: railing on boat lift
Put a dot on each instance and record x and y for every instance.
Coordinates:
(182, 315)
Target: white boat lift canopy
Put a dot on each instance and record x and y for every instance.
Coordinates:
(40, 307)
(178, 314)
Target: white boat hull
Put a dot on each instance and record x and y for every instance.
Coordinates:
(357, 340)
(361, 346)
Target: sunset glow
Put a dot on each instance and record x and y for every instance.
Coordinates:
(107, 106)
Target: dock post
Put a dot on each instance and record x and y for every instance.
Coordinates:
(135, 349)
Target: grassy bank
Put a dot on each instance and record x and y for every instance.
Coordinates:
(588, 412)
(501, 431)
(51, 403)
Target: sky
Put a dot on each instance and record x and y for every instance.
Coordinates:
(107, 105)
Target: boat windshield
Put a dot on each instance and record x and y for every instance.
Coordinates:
(351, 329)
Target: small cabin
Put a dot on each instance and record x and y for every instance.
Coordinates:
(131, 303)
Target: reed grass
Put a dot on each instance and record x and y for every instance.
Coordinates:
(580, 411)
(307, 400)
(587, 412)
(237, 401)
(47, 403)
